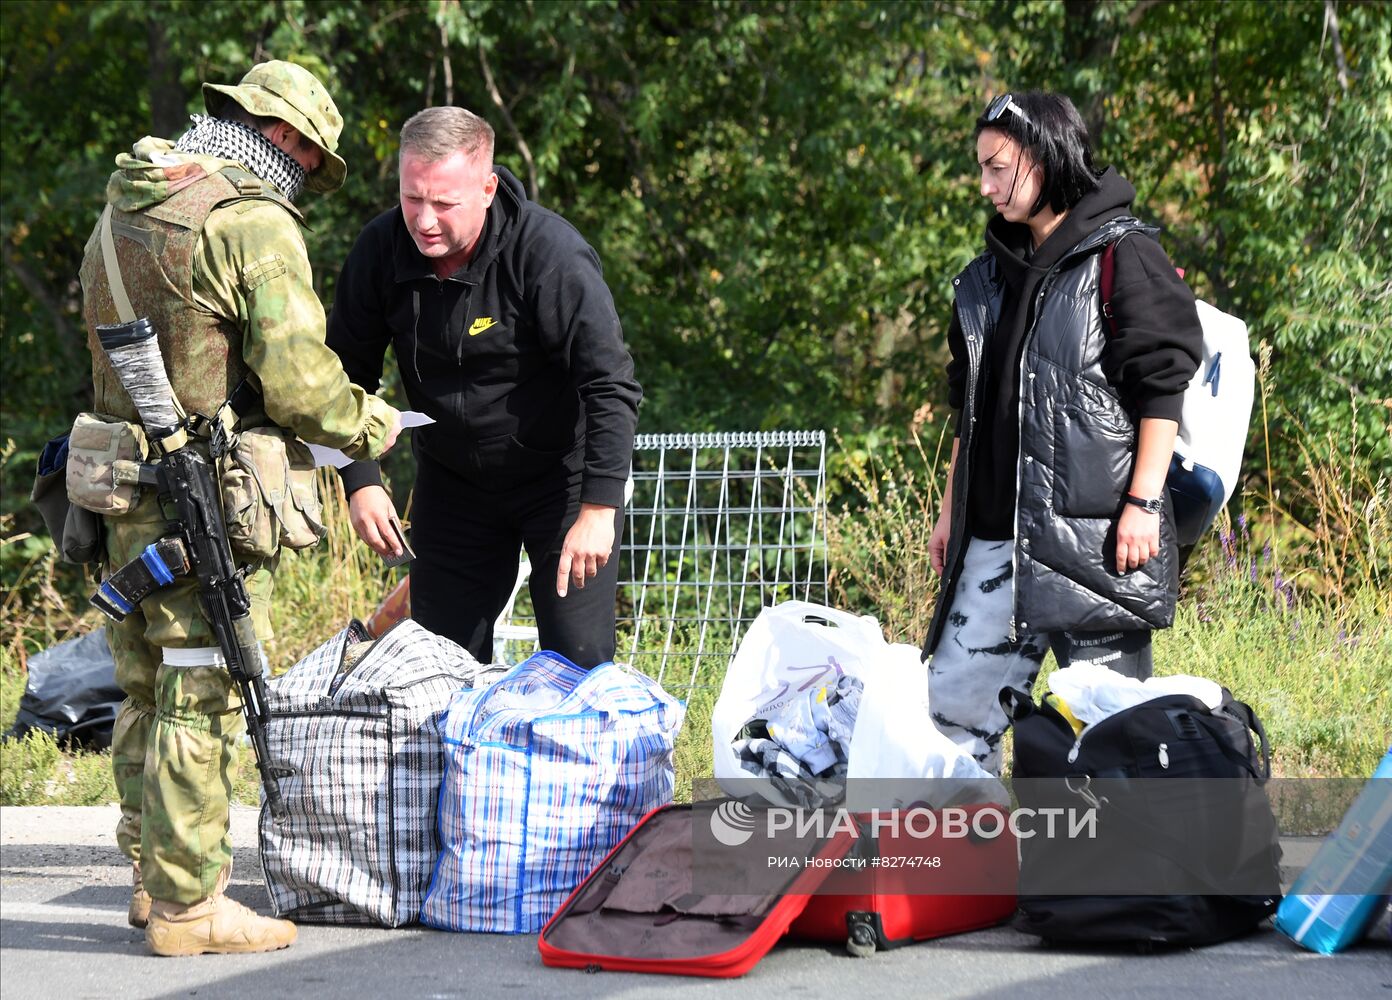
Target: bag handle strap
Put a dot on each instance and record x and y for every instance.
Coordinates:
(1108, 283)
(1244, 714)
(113, 270)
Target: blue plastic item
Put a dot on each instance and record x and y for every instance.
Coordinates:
(1338, 897)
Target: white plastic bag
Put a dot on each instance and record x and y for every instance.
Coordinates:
(795, 646)
(898, 756)
(1093, 691)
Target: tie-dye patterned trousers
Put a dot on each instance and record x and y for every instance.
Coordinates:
(976, 657)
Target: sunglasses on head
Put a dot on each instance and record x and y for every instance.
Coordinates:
(1002, 104)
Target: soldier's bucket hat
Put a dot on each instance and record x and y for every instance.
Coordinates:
(294, 95)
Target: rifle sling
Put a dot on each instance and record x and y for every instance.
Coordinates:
(113, 270)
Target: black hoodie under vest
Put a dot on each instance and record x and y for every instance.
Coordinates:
(1156, 349)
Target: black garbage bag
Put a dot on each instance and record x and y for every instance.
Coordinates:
(72, 692)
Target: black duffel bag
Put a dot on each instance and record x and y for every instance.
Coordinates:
(1184, 848)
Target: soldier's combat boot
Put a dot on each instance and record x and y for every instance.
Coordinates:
(138, 914)
(215, 925)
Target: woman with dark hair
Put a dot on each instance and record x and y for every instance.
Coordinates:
(1055, 529)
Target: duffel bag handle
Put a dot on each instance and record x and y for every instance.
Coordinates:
(1017, 705)
(1244, 714)
(566, 686)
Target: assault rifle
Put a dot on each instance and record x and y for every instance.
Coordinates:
(196, 543)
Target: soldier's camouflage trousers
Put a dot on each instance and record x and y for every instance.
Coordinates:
(174, 743)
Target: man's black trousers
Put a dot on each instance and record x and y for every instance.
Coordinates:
(467, 540)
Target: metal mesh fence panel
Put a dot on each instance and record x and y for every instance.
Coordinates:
(719, 526)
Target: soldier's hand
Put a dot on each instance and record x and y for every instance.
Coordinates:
(586, 547)
(392, 435)
(371, 513)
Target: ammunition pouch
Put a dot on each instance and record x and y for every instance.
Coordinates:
(103, 466)
(270, 493)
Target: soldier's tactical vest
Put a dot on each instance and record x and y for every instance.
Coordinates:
(155, 248)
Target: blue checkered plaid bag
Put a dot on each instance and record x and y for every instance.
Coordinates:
(546, 771)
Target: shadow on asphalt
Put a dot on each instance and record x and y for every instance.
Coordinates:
(1234, 969)
(89, 939)
(431, 972)
(19, 856)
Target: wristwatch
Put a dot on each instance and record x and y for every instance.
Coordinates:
(1152, 506)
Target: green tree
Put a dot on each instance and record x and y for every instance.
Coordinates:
(780, 191)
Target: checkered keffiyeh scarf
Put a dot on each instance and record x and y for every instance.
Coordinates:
(235, 141)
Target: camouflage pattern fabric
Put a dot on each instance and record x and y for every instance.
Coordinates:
(99, 450)
(219, 266)
(291, 93)
(214, 257)
(287, 487)
(174, 741)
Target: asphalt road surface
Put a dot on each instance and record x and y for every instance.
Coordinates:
(64, 888)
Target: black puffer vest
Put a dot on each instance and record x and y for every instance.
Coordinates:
(1077, 449)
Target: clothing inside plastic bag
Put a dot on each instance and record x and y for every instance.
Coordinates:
(803, 748)
(1093, 692)
(71, 692)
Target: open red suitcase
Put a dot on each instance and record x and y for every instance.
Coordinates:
(644, 923)
(926, 884)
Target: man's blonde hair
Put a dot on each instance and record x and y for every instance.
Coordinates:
(436, 134)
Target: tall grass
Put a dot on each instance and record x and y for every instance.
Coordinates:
(318, 591)
(1288, 606)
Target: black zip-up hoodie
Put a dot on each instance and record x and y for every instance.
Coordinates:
(1154, 353)
(518, 355)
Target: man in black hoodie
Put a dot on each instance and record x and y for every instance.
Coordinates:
(504, 333)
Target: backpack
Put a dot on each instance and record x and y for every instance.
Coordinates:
(1213, 422)
(1185, 849)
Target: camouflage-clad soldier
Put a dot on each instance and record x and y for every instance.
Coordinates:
(209, 248)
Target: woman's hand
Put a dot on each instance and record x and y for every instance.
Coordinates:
(1138, 538)
(1138, 532)
(937, 541)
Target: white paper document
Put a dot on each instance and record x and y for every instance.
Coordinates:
(332, 456)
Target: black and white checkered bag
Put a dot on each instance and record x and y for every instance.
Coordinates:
(358, 734)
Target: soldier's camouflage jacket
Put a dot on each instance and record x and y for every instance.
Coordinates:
(214, 257)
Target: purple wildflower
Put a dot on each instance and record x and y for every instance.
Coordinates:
(1228, 539)
(1284, 587)
(1252, 569)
